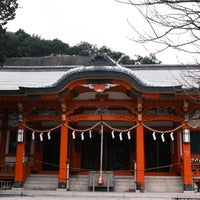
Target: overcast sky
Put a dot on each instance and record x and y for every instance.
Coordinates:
(99, 22)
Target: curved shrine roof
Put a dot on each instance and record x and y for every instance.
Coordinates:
(147, 77)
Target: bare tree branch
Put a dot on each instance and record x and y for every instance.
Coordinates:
(169, 23)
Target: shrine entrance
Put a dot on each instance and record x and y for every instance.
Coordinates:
(157, 153)
(116, 153)
(51, 153)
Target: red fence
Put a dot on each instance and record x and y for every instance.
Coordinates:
(7, 170)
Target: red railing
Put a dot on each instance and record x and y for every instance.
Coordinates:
(26, 170)
(7, 169)
(195, 165)
(195, 169)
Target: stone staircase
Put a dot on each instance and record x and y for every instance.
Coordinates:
(157, 184)
(41, 182)
(163, 184)
(154, 184)
(124, 184)
(78, 182)
(121, 183)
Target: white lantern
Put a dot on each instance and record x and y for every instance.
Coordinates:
(186, 135)
(20, 135)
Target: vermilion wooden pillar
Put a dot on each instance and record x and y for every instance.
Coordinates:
(187, 170)
(140, 158)
(63, 157)
(20, 156)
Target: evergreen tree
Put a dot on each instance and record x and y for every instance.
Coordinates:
(7, 12)
(22, 44)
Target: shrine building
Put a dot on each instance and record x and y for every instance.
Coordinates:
(103, 123)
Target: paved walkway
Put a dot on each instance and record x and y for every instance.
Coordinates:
(20, 194)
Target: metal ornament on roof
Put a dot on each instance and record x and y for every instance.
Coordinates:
(99, 87)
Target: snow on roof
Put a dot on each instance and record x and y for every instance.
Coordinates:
(164, 78)
(12, 78)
